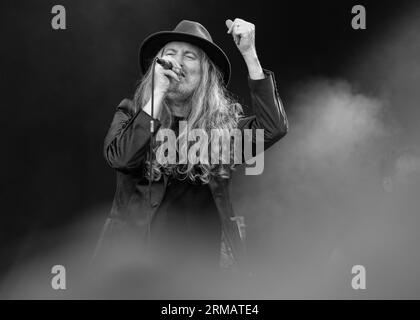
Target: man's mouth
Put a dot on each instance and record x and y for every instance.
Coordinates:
(179, 72)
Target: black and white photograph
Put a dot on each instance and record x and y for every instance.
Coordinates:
(210, 150)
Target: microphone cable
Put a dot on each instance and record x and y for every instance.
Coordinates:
(152, 129)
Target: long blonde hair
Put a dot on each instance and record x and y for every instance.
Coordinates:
(211, 107)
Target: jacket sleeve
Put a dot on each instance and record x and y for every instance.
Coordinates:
(127, 141)
(268, 111)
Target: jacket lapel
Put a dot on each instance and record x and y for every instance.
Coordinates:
(219, 189)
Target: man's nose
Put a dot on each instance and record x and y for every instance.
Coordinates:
(179, 60)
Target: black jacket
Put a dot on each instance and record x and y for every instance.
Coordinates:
(125, 149)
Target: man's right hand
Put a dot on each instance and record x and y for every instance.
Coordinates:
(163, 77)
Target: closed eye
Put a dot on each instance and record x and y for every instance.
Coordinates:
(169, 52)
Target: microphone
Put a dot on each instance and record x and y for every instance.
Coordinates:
(167, 65)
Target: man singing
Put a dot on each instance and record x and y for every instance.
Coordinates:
(183, 210)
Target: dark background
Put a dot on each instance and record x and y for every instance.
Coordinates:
(61, 87)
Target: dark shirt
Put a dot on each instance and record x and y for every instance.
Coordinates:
(186, 228)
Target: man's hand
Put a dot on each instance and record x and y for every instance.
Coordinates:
(164, 77)
(243, 33)
(163, 81)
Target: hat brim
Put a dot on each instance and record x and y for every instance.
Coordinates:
(152, 44)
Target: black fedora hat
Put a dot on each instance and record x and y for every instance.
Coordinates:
(186, 31)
